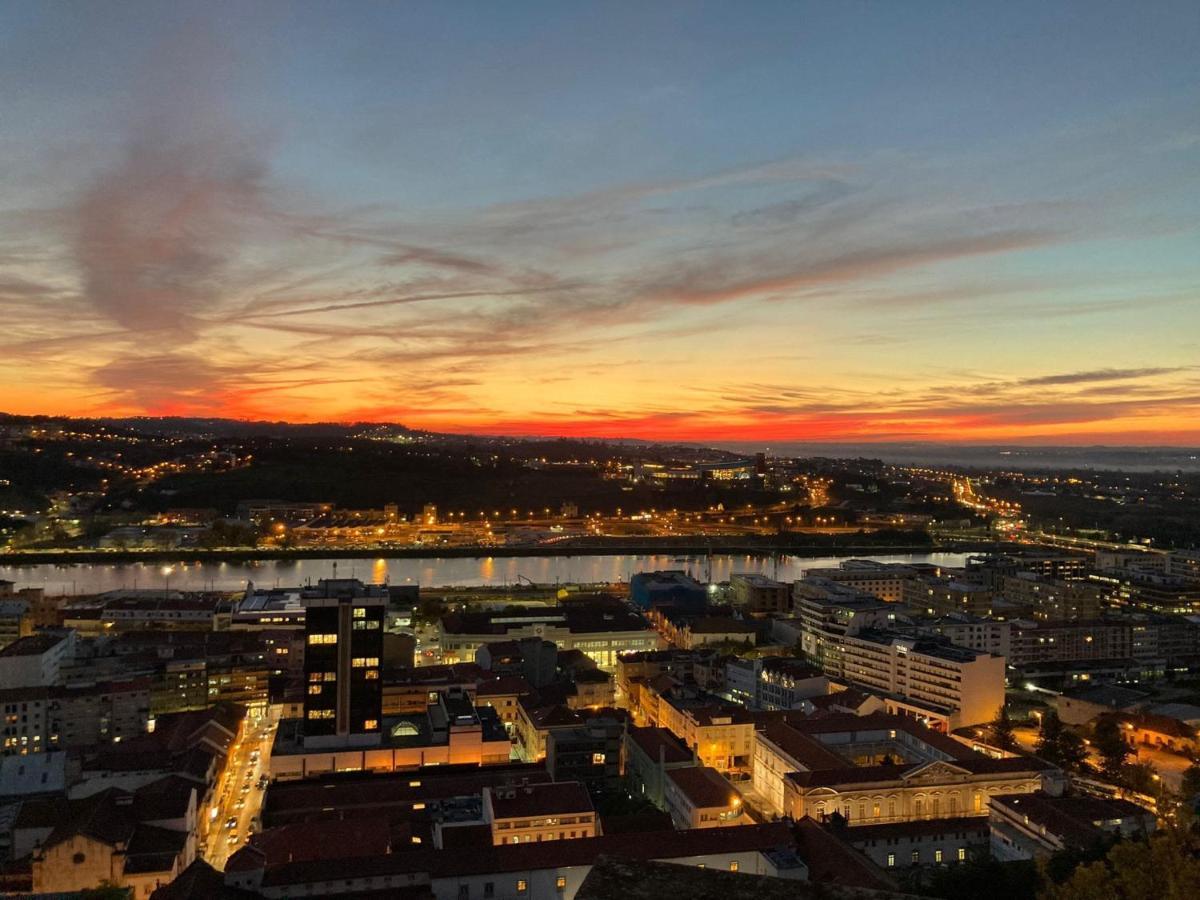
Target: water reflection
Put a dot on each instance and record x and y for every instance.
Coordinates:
(467, 572)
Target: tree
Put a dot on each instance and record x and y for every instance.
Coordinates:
(1048, 736)
(1166, 867)
(1191, 781)
(1057, 745)
(1002, 730)
(1110, 743)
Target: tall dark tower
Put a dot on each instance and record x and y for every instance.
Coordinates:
(343, 698)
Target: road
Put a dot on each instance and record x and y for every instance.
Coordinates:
(234, 799)
(1169, 766)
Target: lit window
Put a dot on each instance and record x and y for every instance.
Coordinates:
(360, 612)
(916, 856)
(322, 638)
(937, 856)
(962, 854)
(891, 860)
(597, 759)
(371, 674)
(314, 689)
(370, 724)
(320, 713)
(522, 885)
(733, 866)
(560, 883)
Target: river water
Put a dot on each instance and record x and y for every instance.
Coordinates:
(90, 578)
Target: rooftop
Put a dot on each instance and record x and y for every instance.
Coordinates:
(33, 645)
(704, 787)
(548, 799)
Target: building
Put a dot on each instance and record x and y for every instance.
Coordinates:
(1036, 825)
(699, 797)
(450, 731)
(720, 734)
(36, 660)
(589, 753)
(534, 659)
(1052, 600)
(694, 632)
(929, 842)
(138, 840)
(649, 754)
(759, 595)
(852, 639)
(38, 719)
(602, 631)
(259, 609)
(942, 596)
(884, 581)
(16, 621)
(881, 768)
(527, 870)
(539, 812)
(673, 589)
(343, 635)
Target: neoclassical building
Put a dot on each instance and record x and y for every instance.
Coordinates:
(882, 768)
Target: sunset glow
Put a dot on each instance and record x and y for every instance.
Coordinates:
(721, 227)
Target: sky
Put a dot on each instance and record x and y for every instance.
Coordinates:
(754, 222)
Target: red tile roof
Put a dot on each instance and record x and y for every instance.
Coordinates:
(551, 799)
(704, 787)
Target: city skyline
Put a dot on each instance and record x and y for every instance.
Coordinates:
(813, 223)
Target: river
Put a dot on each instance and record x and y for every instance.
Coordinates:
(91, 578)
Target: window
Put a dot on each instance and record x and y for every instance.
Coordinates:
(489, 889)
(320, 713)
(891, 860)
(560, 883)
(962, 854)
(733, 866)
(314, 689)
(322, 638)
(522, 885)
(362, 662)
(464, 891)
(597, 759)
(370, 724)
(937, 856)
(371, 674)
(360, 612)
(919, 807)
(916, 856)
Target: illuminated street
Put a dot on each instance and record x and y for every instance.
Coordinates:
(238, 794)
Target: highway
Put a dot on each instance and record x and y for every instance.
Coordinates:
(238, 794)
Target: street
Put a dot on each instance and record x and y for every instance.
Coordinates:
(1169, 766)
(238, 794)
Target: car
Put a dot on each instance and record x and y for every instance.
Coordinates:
(245, 788)
(233, 839)
(241, 804)
(231, 822)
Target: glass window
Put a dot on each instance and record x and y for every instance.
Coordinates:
(522, 885)
(891, 860)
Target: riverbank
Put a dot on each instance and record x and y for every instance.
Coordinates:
(836, 546)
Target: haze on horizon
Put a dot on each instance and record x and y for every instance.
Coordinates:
(701, 222)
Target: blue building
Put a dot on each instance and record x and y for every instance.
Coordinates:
(672, 589)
